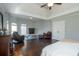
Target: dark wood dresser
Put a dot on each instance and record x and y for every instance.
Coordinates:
(5, 46)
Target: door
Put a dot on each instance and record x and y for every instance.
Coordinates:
(58, 30)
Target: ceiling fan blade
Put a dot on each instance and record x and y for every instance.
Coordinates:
(50, 7)
(43, 5)
(58, 3)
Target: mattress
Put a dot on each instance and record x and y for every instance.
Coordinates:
(61, 48)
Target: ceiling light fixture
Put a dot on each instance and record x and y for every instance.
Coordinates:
(50, 4)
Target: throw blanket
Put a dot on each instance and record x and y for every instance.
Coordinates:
(61, 49)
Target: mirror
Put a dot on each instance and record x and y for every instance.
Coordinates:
(1, 24)
(1, 21)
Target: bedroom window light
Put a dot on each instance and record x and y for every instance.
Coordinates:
(23, 29)
(7, 26)
(13, 27)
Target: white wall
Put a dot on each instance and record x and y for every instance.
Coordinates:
(43, 26)
(71, 25)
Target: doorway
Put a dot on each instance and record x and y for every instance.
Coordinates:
(58, 30)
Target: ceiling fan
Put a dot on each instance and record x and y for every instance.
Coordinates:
(50, 5)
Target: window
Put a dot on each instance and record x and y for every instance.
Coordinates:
(13, 27)
(23, 29)
(7, 25)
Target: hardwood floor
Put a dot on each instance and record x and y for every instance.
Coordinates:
(31, 47)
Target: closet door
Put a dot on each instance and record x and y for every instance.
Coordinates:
(58, 30)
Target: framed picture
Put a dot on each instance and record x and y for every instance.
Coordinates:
(31, 30)
(1, 21)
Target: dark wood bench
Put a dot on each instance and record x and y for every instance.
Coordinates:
(5, 47)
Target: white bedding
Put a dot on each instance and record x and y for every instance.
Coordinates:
(61, 49)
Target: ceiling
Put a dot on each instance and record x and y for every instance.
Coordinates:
(34, 9)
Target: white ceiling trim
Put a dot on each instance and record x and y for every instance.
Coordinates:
(37, 16)
(64, 13)
(52, 16)
(29, 14)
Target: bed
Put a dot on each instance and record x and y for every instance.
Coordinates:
(62, 48)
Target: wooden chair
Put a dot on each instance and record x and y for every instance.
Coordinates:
(47, 35)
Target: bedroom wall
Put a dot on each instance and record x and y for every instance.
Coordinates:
(71, 25)
(43, 26)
